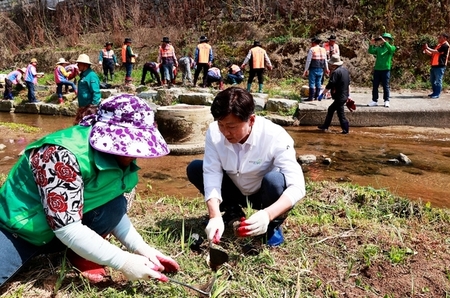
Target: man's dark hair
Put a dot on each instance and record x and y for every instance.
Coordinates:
(445, 35)
(233, 100)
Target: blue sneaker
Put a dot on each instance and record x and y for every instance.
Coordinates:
(277, 238)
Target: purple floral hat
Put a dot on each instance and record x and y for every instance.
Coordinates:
(125, 125)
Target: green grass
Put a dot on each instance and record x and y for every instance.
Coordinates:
(334, 236)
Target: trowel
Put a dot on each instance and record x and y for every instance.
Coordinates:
(206, 289)
(217, 257)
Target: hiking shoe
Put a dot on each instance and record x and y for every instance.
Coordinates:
(387, 104)
(232, 214)
(276, 238)
(372, 104)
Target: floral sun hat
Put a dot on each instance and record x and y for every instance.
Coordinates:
(125, 125)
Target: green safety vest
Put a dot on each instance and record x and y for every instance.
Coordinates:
(21, 210)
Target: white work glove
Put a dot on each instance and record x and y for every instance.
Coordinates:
(162, 262)
(117, 64)
(139, 267)
(214, 229)
(255, 225)
(100, 62)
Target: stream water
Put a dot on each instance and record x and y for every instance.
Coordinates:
(360, 157)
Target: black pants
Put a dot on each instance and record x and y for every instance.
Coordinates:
(108, 67)
(258, 72)
(338, 107)
(7, 94)
(200, 66)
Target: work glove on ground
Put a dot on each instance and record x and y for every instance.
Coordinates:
(255, 225)
(214, 229)
(140, 267)
(162, 262)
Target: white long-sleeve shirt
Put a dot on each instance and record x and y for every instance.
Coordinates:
(268, 148)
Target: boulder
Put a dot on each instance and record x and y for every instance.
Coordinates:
(196, 98)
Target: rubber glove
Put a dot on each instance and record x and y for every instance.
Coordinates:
(139, 267)
(162, 262)
(255, 225)
(214, 229)
(320, 96)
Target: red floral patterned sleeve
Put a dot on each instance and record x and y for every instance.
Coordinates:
(58, 179)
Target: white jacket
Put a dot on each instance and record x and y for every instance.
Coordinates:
(271, 148)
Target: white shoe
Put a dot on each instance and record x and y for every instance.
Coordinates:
(387, 104)
(372, 103)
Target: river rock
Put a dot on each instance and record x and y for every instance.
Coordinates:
(167, 97)
(393, 161)
(28, 107)
(6, 105)
(196, 98)
(105, 93)
(404, 159)
(281, 105)
(148, 95)
(306, 159)
(2, 146)
(49, 109)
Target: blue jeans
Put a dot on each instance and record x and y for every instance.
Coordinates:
(272, 186)
(315, 77)
(15, 252)
(128, 70)
(59, 87)
(235, 79)
(166, 71)
(31, 96)
(383, 77)
(436, 76)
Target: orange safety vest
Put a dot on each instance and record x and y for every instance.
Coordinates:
(435, 56)
(319, 56)
(124, 54)
(258, 55)
(167, 51)
(203, 52)
(331, 50)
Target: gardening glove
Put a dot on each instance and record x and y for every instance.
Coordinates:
(321, 96)
(117, 64)
(139, 267)
(162, 262)
(214, 229)
(100, 62)
(256, 224)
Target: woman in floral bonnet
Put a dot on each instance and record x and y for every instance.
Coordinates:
(67, 191)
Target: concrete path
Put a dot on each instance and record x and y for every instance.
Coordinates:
(408, 107)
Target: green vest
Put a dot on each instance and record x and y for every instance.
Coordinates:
(21, 210)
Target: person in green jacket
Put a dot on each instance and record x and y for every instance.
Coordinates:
(383, 50)
(89, 95)
(67, 192)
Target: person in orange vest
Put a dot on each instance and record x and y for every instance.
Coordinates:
(108, 60)
(203, 59)
(128, 59)
(439, 58)
(167, 61)
(331, 47)
(316, 64)
(258, 59)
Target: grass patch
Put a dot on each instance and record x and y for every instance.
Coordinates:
(340, 239)
(18, 127)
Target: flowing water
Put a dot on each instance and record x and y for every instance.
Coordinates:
(360, 157)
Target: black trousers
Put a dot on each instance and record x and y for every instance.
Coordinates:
(200, 67)
(258, 72)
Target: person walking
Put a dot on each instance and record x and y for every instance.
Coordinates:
(439, 58)
(61, 79)
(89, 95)
(13, 78)
(203, 59)
(258, 60)
(383, 51)
(31, 77)
(249, 162)
(153, 69)
(108, 60)
(128, 59)
(66, 192)
(316, 65)
(339, 86)
(167, 62)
